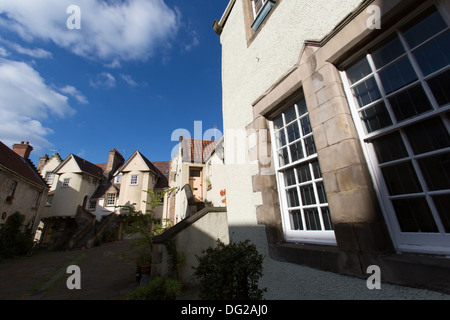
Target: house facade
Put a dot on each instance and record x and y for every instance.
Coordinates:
(22, 189)
(341, 113)
(86, 198)
(190, 178)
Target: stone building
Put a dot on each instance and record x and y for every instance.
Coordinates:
(342, 110)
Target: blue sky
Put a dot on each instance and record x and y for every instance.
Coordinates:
(134, 73)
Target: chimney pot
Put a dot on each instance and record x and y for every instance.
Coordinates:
(22, 149)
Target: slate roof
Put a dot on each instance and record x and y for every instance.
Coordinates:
(20, 166)
(162, 167)
(85, 166)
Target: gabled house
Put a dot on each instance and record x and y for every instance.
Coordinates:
(344, 108)
(22, 189)
(135, 176)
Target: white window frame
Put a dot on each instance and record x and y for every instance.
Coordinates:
(256, 13)
(49, 178)
(118, 178)
(326, 237)
(110, 200)
(66, 182)
(92, 205)
(403, 241)
(134, 180)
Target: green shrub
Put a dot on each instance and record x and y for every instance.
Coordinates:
(157, 289)
(230, 272)
(15, 239)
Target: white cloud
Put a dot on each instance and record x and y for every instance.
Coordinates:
(128, 79)
(25, 102)
(113, 31)
(74, 92)
(103, 80)
(3, 52)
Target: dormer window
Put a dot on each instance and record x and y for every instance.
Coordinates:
(260, 10)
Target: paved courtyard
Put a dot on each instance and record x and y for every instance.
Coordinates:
(104, 275)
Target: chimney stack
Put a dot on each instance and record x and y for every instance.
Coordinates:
(23, 149)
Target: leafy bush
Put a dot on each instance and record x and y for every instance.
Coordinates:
(230, 272)
(157, 289)
(14, 240)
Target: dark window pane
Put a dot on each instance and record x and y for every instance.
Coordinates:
(414, 215)
(401, 179)
(303, 173)
(296, 151)
(397, 75)
(289, 177)
(434, 55)
(358, 71)
(390, 147)
(307, 193)
(428, 135)
(388, 53)
(326, 217)
(290, 115)
(283, 157)
(410, 103)
(306, 125)
(316, 170)
(310, 146)
(312, 219)
(292, 198)
(436, 171)
(302, 107)
(278, 122)
(425, 28)
(375, 118)
(296, 220)
(442, 204)
(440, 85)
(366, 92)
(293, 132)
(321, 192)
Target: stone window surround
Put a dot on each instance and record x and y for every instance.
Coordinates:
(362, 239)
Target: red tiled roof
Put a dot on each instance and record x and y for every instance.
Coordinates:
(22, 167)
(198, 150)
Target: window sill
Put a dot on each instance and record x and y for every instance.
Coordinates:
(263, 14)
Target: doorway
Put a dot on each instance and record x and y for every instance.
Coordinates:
(196, 183)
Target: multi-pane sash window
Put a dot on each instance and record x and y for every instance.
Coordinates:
(134, 180)
(305, 211)
(110, 199)
(49, 178)
(401, 103)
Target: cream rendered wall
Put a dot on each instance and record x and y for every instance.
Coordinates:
(51, 165)
(215, 171)
(66, 199)
(247, 72)
(130, 194)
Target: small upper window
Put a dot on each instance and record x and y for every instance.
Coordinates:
(66, 182)
(49, 178)
(134, 180)
(118, 178)
(260, 10)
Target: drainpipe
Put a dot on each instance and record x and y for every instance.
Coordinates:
(218, 25)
